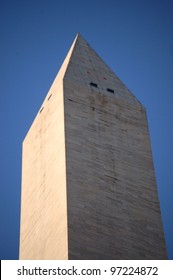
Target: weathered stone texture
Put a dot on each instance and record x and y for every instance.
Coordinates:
(88, 183)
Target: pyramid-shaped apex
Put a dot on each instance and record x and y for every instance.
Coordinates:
(79, 37)
(84, 66)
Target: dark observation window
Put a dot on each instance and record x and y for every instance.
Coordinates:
(41, 109)
(93, 85)
(110, 90)
(49, 97)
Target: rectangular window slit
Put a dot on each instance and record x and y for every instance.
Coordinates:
(41, 109)
(93, 85)
(49, 97)
(110, 90)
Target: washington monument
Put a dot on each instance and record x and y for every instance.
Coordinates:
(88, 182)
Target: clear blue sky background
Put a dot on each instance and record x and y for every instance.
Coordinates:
(134, 37)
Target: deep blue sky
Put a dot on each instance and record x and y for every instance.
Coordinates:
(134, 37)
